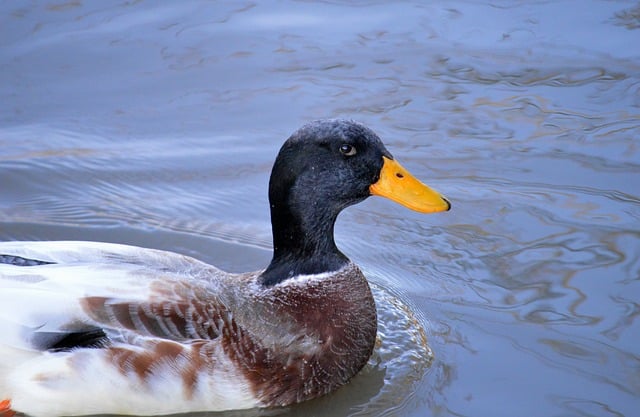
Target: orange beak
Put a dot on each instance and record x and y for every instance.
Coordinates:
(397, 184)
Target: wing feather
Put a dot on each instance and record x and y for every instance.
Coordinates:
(84, 286)
(146, 324)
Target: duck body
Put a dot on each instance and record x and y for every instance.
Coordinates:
(98, 328)
(160, 333)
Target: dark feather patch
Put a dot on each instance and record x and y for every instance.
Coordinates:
(20, 261)
(93, 337)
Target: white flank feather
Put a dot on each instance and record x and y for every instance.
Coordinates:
(46, 299)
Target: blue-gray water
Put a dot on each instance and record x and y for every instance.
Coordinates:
(156, 123)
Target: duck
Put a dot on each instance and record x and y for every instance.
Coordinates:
(102, 328)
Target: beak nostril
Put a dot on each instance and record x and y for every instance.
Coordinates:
(399, 175)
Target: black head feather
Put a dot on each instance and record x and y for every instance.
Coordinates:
(322, 168)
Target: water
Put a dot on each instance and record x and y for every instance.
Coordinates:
(156, 123)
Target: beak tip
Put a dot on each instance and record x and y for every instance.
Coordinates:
(448, 204)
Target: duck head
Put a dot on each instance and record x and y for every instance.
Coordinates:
(324, 167)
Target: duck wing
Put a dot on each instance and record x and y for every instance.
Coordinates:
(112, 321)
(64, 295)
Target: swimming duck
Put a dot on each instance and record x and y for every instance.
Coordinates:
(100, 328)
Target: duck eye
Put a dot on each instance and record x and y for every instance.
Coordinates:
(348, 150)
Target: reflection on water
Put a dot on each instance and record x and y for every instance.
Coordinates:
(156, 125)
